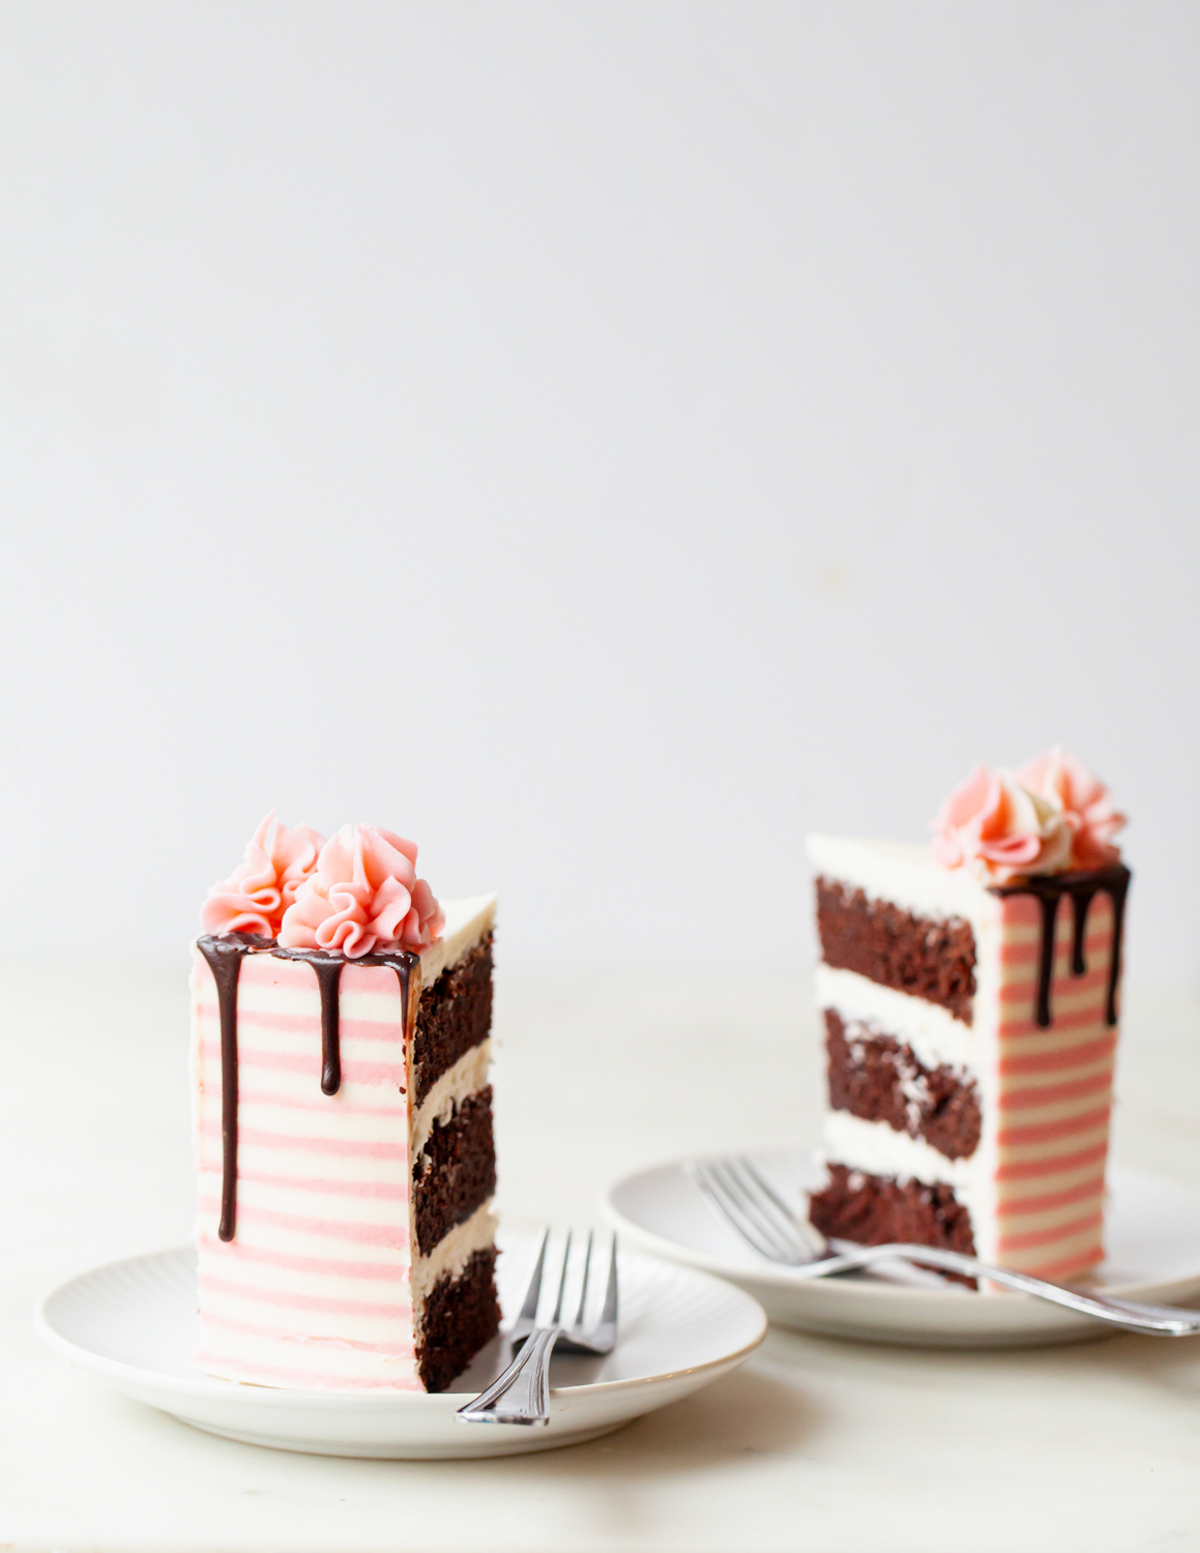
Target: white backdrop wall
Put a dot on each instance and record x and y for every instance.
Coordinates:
(602, 441)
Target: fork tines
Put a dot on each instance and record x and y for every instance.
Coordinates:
(578, 1278)
(754, 1208)
(522, 1394)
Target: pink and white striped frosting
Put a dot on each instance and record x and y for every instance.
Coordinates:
(256, 895)
(363, 897)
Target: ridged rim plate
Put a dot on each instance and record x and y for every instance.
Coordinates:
(133, 1323)
(1152, 1237)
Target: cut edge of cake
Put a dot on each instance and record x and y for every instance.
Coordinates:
(459, 1268)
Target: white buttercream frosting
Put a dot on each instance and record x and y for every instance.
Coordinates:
(909, 876)
(468, 1075)
(876, 1149)
(451, 1254)
(934, 1034)
(466, 923)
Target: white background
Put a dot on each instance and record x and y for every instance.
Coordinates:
(601, 441)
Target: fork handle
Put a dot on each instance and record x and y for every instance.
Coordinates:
(522, 1394)
(1158, 1320)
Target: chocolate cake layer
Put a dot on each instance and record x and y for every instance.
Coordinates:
(455, 1015)
(461, 1315)
(455, 1172)
(871, 1210)
(880, 1079)
(934, 960)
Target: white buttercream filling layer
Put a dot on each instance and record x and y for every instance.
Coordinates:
(881, 1151)
(451, 1254)
(933, 1033)
(467, 1076)
(875, 1149)
(466, 923)
(908, 876)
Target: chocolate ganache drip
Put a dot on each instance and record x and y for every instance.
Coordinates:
(1048, 890)
(328, 970)
(401, 961)
(224, 955)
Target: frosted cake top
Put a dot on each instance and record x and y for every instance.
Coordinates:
(356, 893)
(1049, 815)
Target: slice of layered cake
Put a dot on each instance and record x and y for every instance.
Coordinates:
(343, 1118)
(969, 994)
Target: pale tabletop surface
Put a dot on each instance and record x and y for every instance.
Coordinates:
(817, 1443)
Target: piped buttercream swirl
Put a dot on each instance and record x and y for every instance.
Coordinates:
(999, 830)
(1084, 801)
(255, 897)
(363, 897)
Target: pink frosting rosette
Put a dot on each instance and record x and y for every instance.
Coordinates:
(259, 891)
(1084, 801)
(363, 898)
(1000, 830)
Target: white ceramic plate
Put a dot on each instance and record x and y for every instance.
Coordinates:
(1152, 1235)
(133, 1323)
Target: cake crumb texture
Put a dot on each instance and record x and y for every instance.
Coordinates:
(880, 1079)
(461, 1315)
(871, 1210)
(455, 1015)
(929, 959)
(455, 1173)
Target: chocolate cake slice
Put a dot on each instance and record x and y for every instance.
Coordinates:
(969, 1005)
(343, 1121)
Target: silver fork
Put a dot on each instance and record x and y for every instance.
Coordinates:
(522, 1394)
(758, 1213)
